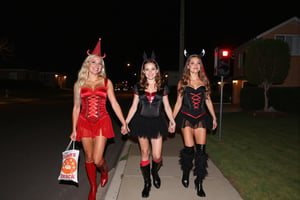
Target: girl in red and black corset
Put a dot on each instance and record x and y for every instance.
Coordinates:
(91, 121)
(147, 123)
(194, 114)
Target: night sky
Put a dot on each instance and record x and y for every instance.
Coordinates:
(55, 37)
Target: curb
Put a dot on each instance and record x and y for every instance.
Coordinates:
(114, 186)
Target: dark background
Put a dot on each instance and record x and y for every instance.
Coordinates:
(50, 36)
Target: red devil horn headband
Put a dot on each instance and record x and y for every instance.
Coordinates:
(97, 50)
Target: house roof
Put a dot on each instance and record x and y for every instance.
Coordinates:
(295, 19)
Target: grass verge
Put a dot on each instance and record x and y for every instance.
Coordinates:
(260, 155)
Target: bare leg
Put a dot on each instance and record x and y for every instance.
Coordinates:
(145, 148)
(100, 143)
(88, 146)
(98, 151)
(156, 148)
(200, 135)
(188, 136)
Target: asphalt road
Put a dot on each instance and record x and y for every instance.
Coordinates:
(33, 137)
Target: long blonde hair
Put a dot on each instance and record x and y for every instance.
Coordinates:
(83, 74)
(184, 81)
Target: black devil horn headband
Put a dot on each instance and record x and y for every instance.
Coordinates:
(145, 57)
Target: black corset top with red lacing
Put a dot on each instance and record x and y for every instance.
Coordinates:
(194, 102)
(93, 102)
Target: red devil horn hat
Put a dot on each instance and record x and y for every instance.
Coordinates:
(97, 50)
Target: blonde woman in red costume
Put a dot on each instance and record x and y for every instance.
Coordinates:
(91, 121)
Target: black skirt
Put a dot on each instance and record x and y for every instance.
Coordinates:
(149, 127)
(205, 121)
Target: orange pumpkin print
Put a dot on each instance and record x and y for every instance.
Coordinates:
(69, 166)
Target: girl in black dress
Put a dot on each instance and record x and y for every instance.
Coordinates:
(194, 114)
(146, 121)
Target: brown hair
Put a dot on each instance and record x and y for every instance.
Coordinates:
(186, 75)
(143, 80)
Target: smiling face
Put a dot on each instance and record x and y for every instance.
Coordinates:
(150, 71)
(195, 65)
(95, 65)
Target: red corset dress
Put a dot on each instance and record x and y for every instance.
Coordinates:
(94, 118)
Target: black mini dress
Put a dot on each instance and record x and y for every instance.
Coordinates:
(149, 120)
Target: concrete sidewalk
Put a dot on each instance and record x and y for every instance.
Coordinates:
(127, 182)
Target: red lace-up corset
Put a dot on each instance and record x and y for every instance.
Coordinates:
(194, 102)
(93, 102)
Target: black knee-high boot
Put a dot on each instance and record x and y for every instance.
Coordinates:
(186, 162)
(147, 180)
(155, 167)
(200, 168)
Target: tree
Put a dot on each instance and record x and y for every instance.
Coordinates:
(267, 63)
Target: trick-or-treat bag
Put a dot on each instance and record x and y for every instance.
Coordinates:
(69, 168)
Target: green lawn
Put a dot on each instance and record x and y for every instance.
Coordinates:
(260, 155)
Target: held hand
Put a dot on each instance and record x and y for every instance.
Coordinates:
(171, 130)
(124, 129)
(172, 126)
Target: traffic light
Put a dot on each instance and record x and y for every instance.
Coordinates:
(222, 62)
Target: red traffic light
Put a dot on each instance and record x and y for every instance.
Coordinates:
(225, 53)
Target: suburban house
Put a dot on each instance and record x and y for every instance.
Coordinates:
(289, 31)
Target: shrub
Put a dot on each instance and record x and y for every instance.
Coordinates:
(285, 99)
(252, 98)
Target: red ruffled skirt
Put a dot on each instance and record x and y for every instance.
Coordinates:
(87, 128)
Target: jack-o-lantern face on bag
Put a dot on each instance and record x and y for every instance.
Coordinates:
(69, 166)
